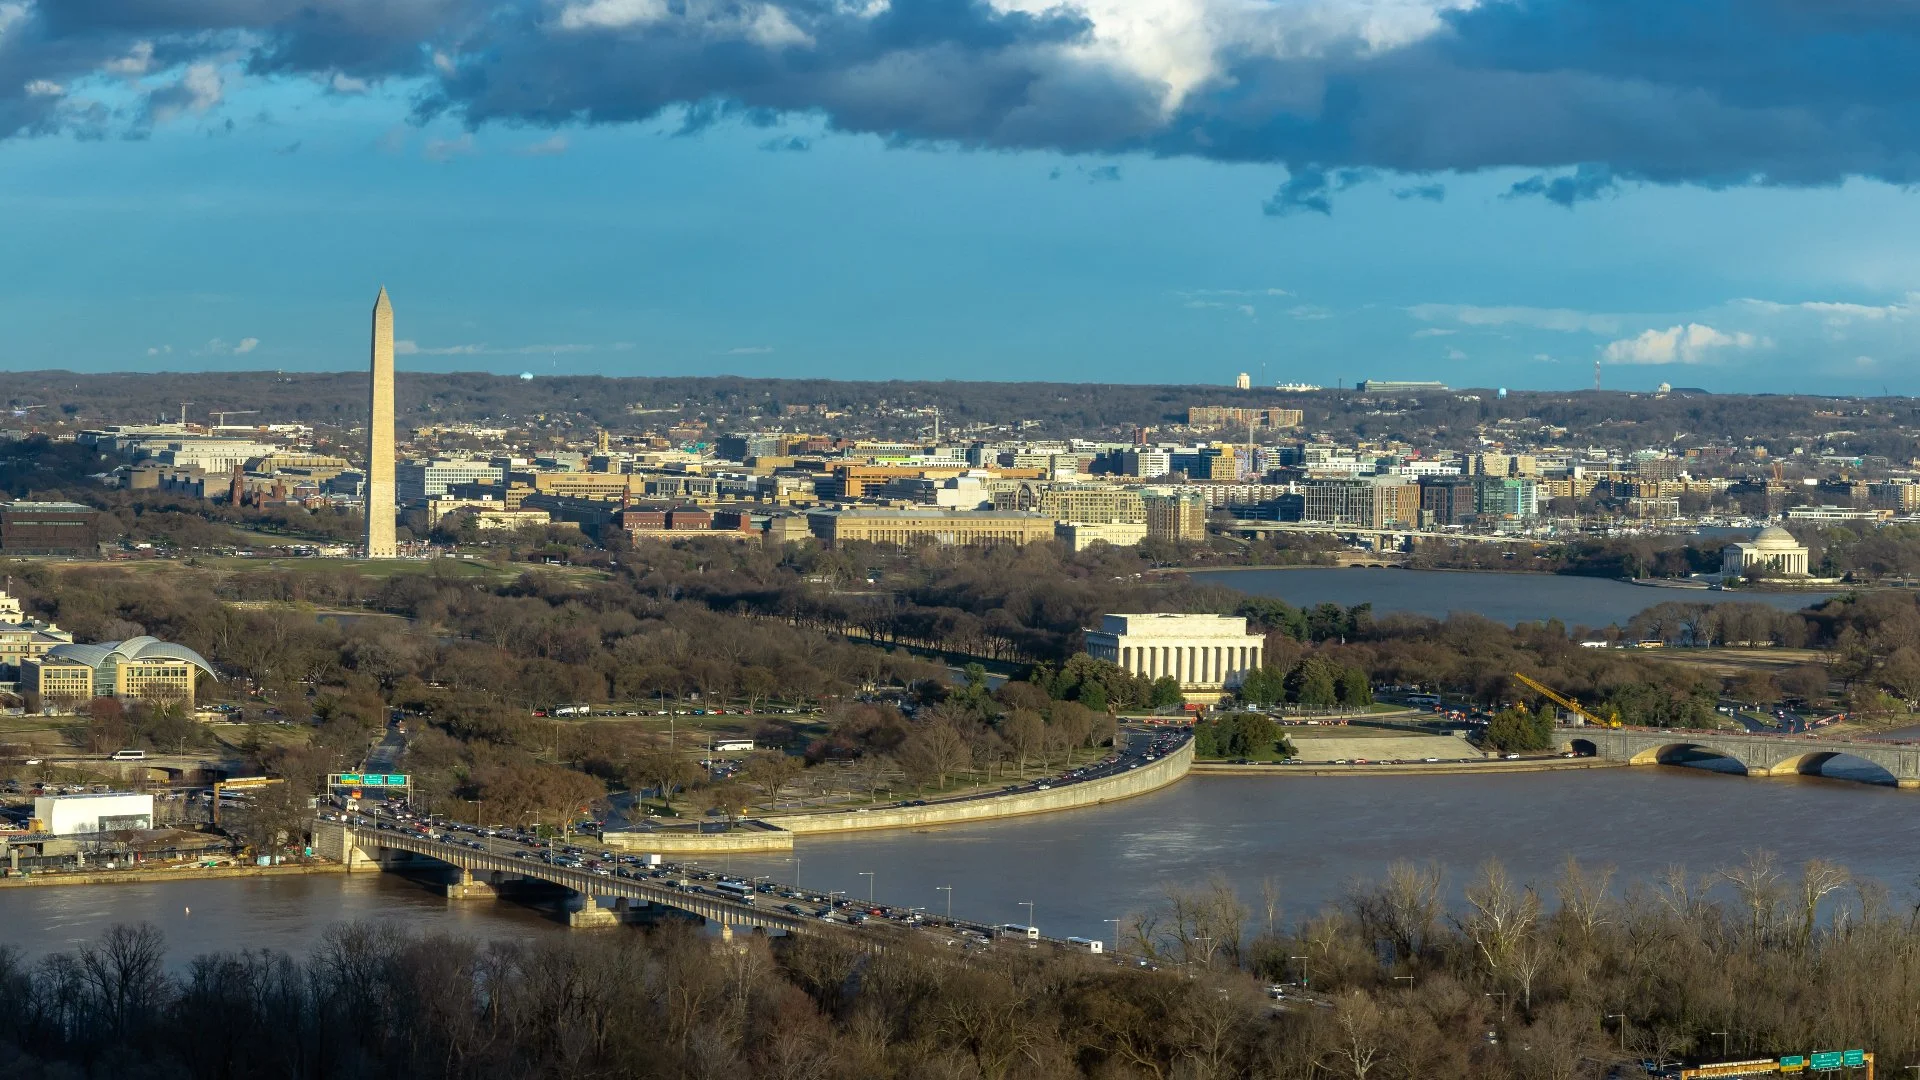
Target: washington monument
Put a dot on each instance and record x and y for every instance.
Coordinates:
(380, 495)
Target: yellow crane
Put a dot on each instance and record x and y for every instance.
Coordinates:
(1566, 703)
(239, 783)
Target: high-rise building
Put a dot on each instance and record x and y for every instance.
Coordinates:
(1243, 381)
(1367, 502)
(380, 489)
(1180, 516)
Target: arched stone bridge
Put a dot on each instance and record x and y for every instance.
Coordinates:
(479, 871)
(1763, 755)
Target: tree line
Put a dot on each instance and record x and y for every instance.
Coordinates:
(1561, 979)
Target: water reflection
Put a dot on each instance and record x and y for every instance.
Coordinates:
(1310, 835)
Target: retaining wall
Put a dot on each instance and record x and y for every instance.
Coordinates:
(1133, 782)
(686, 843)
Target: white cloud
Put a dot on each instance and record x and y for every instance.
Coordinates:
(1565, 320)
(765, 25)
(159, 350)
(406, 347)
(44, 88)
(137, 62)
(1839, 312)
(246, 345)
(552, 146)
(198, 89)
(1693, 343)
(1221, 305)
(1456, 354)
(1433, 331)
(612, 14)
(342, 83)
(12, 13)
(749, 350)
(445, 150)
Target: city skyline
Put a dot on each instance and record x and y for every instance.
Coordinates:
(801, 231)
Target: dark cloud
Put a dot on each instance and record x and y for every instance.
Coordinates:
(792, 144)
(1429, 192)
(1588, 94)
(1586, 183)
(1311, 189)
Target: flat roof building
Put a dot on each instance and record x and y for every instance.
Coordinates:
(49, 528)
(975, 528)
(1207, 653)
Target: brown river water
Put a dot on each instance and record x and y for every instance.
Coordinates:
(1312, 835)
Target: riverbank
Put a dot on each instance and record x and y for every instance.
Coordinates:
(1421, 769)
(1125, 785)
(139, 876)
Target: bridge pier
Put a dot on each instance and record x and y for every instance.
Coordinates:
(591, 915)
(464, 887)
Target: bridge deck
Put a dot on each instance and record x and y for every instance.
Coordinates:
(706, 905)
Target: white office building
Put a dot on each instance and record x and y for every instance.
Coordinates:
(417, 481)
(1205, 652)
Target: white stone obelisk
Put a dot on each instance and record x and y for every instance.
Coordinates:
(380, 493)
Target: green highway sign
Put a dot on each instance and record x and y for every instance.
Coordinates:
(1826, 1059)
(1853, 1059)
(1793, 1063)
(354, 779)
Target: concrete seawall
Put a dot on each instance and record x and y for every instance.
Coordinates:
(1221, 768)
(677, 843)
(1126, 785)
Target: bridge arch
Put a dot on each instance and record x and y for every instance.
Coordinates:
(1583, 747)
(1690, 754)
(1836, 764)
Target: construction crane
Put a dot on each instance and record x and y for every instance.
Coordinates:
(183, 412)
(1566, 703)
(220, 415)
(242, 783)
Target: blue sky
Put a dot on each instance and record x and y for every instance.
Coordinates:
(1491, 193)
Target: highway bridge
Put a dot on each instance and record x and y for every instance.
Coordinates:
(1761, 754)
(478, 872)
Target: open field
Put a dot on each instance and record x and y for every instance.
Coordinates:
(1337, 744)
(1729, 661)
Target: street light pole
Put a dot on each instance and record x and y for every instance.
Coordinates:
(1723, 1041)
(1304, 979)
(1622, 1017)
(1116, 932)
(948, 889)
(1028, 904)
(870, 876)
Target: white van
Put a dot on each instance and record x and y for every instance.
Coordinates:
(129, 755)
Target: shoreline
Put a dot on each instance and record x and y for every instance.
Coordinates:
(1645, 583)
(1222, 768)
(143, 877)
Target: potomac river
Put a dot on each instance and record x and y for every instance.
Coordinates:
(1312, 835)
(1505, 598)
